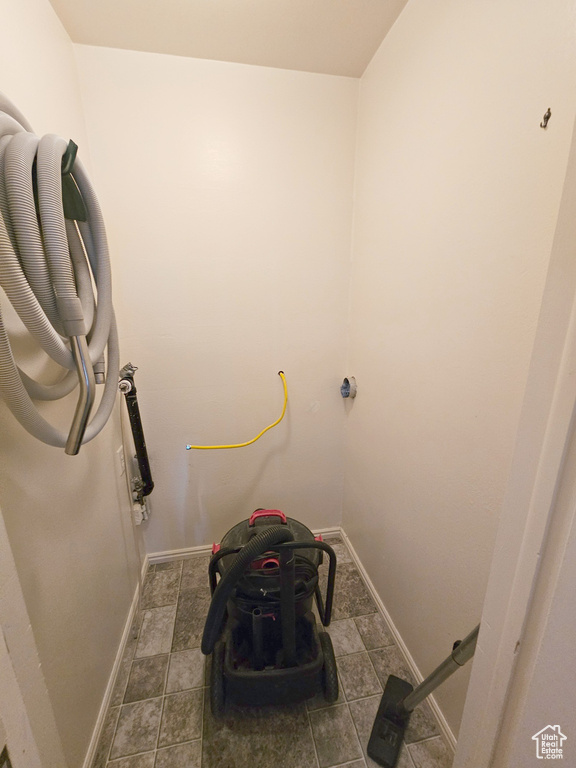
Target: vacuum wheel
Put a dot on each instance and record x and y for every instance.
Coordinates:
(329, 670)
(217, 686)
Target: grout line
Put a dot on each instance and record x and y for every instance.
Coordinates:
(312, 737)
(425, 739)
(159, 727)
(407, 752)
(356, 731)
(135, 754)
(364, 755)
(178, 594)
(375, 673)
(164, 693)
(165, 685)
(350, 762)
(202, 710)
(109, 750)
(177, 744)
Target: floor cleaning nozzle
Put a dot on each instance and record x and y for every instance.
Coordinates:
(400, 699)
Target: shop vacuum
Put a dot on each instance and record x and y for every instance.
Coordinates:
(261, 629)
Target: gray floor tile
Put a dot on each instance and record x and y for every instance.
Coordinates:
(374, 631)
(431, 754)
(319, 702)
(169, 565)
(404, 761)
(193, 606)
(136, 761)
(147, 678)
(137, 729)
(186, 670)
(351, 596)
(156, 632)
(358, 677)
(341, 550)
(389, 661)
(345, 637)
(121, 681)
(335, 736)
(106, 737)
(176, 730)
(195, 573)
(126, 663)
(182, 717)
(363, 713)
(181, 756)
(161, 588)
(282, 735)
(422, 725)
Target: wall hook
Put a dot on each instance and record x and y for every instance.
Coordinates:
(547, 116)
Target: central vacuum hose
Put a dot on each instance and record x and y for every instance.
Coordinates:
(276, 534)
(48, 263)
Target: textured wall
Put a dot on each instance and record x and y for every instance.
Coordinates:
(69, 532)
(227, 190)
(457, 194)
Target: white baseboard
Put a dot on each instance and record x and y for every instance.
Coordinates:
(178, 554)
(327, 532)
(91, 752)
(444, 727)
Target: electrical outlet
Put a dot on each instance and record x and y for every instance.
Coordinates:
(120, 461)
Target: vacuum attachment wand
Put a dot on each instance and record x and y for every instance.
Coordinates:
(400, 699)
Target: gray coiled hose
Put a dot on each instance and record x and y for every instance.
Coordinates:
(48, 265)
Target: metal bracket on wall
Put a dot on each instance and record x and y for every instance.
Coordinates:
(128, 389)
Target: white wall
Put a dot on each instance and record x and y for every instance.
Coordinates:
(27, 724)
(457, 193)
(73, 549)
(227, 191)
(543, 691)
(537, 513)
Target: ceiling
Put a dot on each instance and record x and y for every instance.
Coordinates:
(335, 37)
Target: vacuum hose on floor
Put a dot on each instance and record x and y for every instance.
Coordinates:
(276, 534)
(50, 256)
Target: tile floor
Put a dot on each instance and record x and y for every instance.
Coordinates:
(159, 715)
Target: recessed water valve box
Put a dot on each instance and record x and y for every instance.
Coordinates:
(348, 388)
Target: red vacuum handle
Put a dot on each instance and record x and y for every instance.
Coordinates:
(267, 513)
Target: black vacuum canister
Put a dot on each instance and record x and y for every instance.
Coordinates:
(241, 533)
